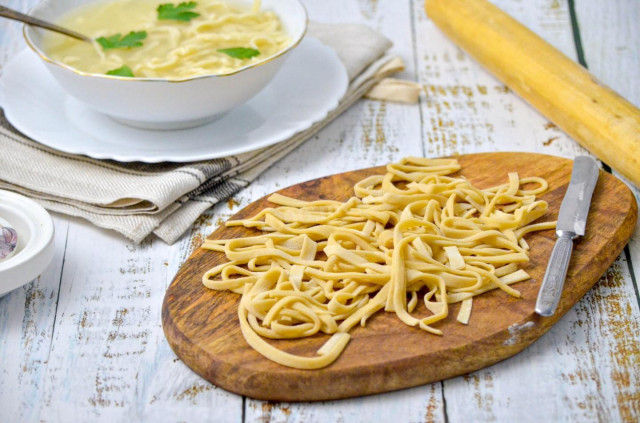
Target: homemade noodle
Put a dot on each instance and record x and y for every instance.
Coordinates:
(326, 266)
(172, 49)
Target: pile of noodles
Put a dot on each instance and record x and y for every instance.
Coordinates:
(326, 266)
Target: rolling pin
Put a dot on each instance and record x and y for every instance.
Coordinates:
(563, 91)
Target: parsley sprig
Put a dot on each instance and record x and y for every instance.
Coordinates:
(182, 12)
(123, 70)
(240, 52)
(132, 39)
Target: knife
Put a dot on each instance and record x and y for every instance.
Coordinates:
(572, 220)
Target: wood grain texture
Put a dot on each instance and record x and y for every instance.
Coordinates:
(201, 325)
(370, 133)
(107, 347)
(585, 368)
(609, 34)
(27, 318)
(588, 362)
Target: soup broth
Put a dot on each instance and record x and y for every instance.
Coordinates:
(153, 39)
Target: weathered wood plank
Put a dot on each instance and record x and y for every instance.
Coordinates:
(369, 133)
(610, 34)
(510, 391)
(410, 405)
(105, 363)
(27, 319)
(109, 360)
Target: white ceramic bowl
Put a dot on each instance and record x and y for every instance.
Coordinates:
(35, 240)
(153, 103)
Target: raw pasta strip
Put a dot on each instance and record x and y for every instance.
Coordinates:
(325, 266)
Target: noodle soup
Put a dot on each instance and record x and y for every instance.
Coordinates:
(156, 39)
(164, 101)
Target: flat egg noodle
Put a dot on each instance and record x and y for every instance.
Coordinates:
(325, 266)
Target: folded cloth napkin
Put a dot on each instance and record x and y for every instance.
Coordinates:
(137, 199)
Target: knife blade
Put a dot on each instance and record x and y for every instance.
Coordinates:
(572, 221)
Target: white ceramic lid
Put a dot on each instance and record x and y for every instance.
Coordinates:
(35, 240)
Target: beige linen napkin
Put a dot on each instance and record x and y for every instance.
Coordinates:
(137, 199)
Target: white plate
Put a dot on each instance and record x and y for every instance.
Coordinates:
(35, 240)
(309, 85)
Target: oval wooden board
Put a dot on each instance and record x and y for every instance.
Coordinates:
(201, 325)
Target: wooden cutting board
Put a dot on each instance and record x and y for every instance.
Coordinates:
(202, 327)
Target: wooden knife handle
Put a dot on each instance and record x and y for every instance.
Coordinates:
(563, 91)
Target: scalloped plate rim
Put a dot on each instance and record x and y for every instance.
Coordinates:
(54, 127)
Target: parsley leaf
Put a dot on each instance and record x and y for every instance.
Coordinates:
(123, 70)
(240, 52)
(132, 39)
(181, 12)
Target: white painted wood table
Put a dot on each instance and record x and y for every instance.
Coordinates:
(83, 342)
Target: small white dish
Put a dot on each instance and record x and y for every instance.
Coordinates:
(155, 103)
(35, 240)
(306, 89)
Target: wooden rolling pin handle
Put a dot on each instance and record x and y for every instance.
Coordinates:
(563, 91)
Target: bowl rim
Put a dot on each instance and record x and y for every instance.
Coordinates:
(43, 56)
(36, 216)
